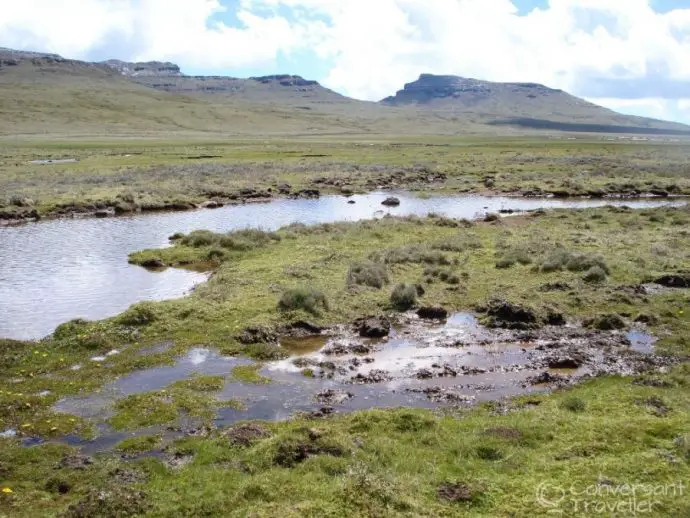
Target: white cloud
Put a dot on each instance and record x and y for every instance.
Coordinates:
(374, 46)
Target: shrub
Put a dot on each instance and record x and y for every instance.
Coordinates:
(459, 243)
(416, 254)
(573, 261)
(199, 238)
(216, 254)
(140, 314)
(595, 275)
(367, 273)
(309, 300)
(70, 329)
(404, 296)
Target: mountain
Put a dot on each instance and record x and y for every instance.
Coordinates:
(528, 105)
(43, 93)
(275, 88)
(50, 95)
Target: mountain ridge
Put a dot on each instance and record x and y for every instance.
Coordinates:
(436, 104)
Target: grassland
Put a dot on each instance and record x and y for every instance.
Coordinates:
(486, 461)
(132, 175)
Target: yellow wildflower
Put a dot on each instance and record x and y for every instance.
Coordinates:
(7, 490)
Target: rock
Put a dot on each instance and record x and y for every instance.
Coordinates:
(452, 492)
(375, 376)
(247, 434)
(211, 204)
(504, 314)
(360, 349)
(333, 397)
(258, 335)
(351, 202)
(78, 462)
(554, 318)
(647, 319)
(432, 313)
(680, 280)
(391, 202)
(565, 362)
(104, 213)
(546, 378)
(308, 327)
(424, 374)
(606, 323)
(284, 188)
(153, 263)
(308, 193)
(373, 327)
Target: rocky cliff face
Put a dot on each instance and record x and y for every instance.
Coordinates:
(145, 69)
(431, 87)
(11, 57)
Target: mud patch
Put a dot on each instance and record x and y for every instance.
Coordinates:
(247, 434)
(455, 492)
(114, 502)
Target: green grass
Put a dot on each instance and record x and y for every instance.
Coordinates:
(250, 374)
(392, 463)
(130, 174)
(380, 462)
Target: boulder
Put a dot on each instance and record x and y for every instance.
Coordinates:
(373, 327)
(391, 202)
(432, 313)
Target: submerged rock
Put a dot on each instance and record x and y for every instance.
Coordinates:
(153, 263)
(333, 397)
(391, 202)
(433, 313)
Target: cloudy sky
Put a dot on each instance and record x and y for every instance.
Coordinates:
(630, 55)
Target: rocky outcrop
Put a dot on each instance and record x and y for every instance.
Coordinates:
(285, 80)
(430, 87)
(146, 69)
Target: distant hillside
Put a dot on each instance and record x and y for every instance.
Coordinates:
(528, 105)
(274, 89)
(47, 94)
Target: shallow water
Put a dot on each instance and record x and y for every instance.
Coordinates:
(54, 271)
(489, 366)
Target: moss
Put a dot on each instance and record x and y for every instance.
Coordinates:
(139, 444)
(249, 374)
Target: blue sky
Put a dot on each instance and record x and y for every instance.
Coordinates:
(629, 55)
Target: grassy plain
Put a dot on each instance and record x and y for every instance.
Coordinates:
(487, 461)
(131, 174)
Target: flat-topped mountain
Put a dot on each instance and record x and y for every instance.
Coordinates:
(431, 88)
(521, 104)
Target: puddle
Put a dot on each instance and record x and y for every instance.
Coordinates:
(640, 341)
(421, 365)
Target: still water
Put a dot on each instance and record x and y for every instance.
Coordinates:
(54, 271)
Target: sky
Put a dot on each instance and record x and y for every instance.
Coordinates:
(629, 55)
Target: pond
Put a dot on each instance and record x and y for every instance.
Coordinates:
(54, 271)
